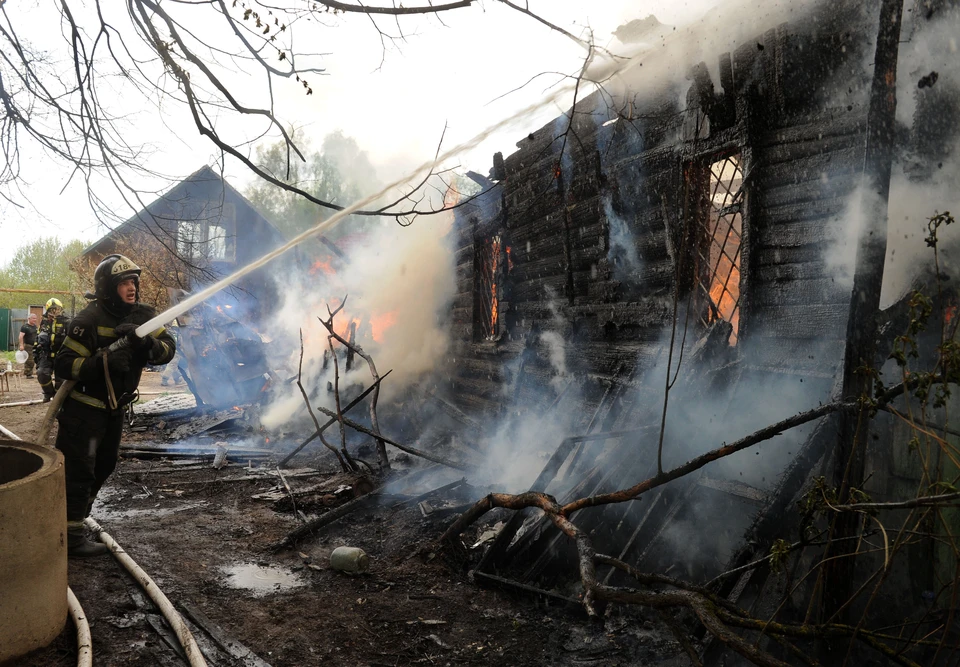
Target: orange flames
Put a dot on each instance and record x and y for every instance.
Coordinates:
(495, 243)
(725, 293)
(321, 266)
(725, 231)
(380, 323)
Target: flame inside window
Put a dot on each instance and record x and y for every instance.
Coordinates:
(489, 268)
(718, 276)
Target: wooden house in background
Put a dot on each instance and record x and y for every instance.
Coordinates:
(200, 230)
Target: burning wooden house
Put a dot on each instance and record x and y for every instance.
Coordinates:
(673, 240)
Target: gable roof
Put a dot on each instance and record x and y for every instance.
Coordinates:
(145, 217)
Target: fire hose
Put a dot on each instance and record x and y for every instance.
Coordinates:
(84, 641)
(184, 636)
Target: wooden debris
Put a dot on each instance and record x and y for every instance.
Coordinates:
(233, 647)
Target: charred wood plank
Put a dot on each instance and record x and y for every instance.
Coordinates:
(301, 532)
(510, 584)
(789, 272)
(813, 321)
(798, 233)
(815, 190)
(823, 124)
(800, 292)
(805, 254)
(233, 647)
(779, 153)
(828, 207)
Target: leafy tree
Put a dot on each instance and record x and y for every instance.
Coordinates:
(340, 172)
(44, 264)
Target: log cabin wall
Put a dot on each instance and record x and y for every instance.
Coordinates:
(558, 209)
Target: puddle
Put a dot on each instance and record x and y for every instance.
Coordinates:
(261, 580)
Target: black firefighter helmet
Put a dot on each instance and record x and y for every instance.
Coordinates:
(112, 271)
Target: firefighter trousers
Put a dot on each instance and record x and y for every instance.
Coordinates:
(89, 439)
(45, 376)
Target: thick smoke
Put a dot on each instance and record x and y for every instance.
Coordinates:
(398, 282)
(926, 171)
(661, 57)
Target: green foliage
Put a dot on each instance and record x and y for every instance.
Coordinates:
(778, 554)
(905, 346)
(44, 265)
(340, 173)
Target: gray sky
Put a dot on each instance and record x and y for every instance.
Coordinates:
(395, 104)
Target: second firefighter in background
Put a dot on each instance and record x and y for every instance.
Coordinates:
(91, 420)
(50, 335)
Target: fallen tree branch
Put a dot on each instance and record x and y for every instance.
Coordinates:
(316, 422)
(331, 422)
(403, 448)
(356, 349)
(713, 455)
(922, 501)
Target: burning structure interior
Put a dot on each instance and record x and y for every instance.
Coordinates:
(692, 239)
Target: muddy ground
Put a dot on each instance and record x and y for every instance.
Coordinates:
(206, 542)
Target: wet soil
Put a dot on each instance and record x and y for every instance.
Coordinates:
(206, 542)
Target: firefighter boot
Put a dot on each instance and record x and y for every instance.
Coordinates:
(79, 546)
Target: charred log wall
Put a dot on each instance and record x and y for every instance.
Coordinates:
(574, 190)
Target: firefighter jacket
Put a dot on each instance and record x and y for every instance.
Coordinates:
(50, 336)
(82, 356)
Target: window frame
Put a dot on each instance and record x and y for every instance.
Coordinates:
(204, 245)
(489, 280)
(701, 233)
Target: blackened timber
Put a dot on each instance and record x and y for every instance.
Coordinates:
(818, 125)
(865, 301)
(776, 154)
(814, 190)
(825, 208)
(798, 233)
(802, 321)
(491, 559)
(540, 288)
(835, 162)
(786, 273)
(800, 292)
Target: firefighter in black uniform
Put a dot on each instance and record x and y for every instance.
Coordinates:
(50, 335)
(92, 416)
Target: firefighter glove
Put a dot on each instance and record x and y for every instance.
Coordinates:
(128, 330)
(120, 360)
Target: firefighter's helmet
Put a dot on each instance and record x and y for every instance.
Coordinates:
(52, 303)
(112, 271)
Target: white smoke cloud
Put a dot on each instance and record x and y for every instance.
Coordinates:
(399, 281)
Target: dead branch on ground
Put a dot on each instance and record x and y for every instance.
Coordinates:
(356, 349)
(306, 399)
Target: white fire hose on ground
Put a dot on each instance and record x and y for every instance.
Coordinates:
(84, 641)
(189, 644)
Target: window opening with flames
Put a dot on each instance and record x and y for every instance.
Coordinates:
(720, 236)
(492, 261)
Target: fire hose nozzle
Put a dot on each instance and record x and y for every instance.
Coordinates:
(121, 343)
(127, 339)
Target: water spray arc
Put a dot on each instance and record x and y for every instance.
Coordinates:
(175, 311)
